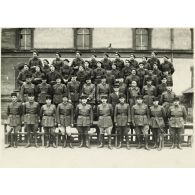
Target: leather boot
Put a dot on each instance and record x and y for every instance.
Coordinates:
(36, 144)
(15, 140)
(155, 142)
(110, 142)
(139, 142)
(54, 141)
(101, 145)
(146, 143)
(173, 143)
(179, 142)
(70, 139)
(47, 140)
(160, 143)
(81, 141)
(127, 143)
(87, 138)
(120, 142)
(64, 141)
(28, 142)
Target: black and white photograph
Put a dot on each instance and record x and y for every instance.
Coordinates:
(96, 91)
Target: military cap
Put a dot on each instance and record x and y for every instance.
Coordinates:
(13, 94)
(48, 97)
(154, 52)
(103, 77)
(58, 53)
(43, 77)
(46, 61)
(31, 95)
(121, 96)
(148, 79)
(79, 53)
(163, 77)
(66, 60)
(155, 99)
(176, 98)
(35, 51)
(116, 53)
(99, 62)
(165, 56)
(139, 97)
(106, 54)
(83, 97)
(131, 54)
(104, 97)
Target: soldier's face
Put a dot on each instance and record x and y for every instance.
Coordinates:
(131, 57)
(141, 66)
(169, 88)
(74, 78)
(113, 66)
(37, 69)
(144, 59)
(99, 65)
(84, 101)
(34, 55)
(165, 59)
(155, 103)
(14, 98)
(78, 55)
(139, 101)
(45, 62)
(105, 56)
(155, 66)
(57, 56)
(133, 84)
(176, 103)
(121, 80)
(133, 72)
(48, 101)
(52, 68)
(149, 82)
(164, 80)
(31, 98)
(103, 80)
(28, 80)
(116, 89)
(81, 68)
(104, 101)
(122, 100)
(117, 56)
(153, 55)
(93, 57)
(44, 81)
(26, 67)
(58, 80)
(66, 63)
(127, 63)
(65, 99)
(88, 81)
(86, 64)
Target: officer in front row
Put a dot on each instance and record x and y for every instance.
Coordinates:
(14, 113)
(177, 118)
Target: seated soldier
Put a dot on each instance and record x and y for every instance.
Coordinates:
(48, 121)
(118, 61)
(46, 66)
(105, 124)
(27, 88)
(66, 71)
(133, 62)
(57, 62)
(133, 77)
(93, 62)
(65, 120)
(37, 76)
(98, 73)
(106, 62)
(77, 62)
(126, 71)
(14, 122)
(81, 75)
(167, 66)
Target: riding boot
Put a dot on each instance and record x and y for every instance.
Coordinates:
(127, 143)
(146, 142)
(101, 140)
(28, 141)
(173, 142)
(81, 141)
(54, 141)
(160, 143)
(155, 141)
(36, 144)
(70, 139)
(47, 140)
(120, 142)
(110, 142)
(87, 138)
(179, 142)
(64, 141)
(15, 140)
(139, 142)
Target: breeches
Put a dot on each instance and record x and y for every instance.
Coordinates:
(83, 130)
(106, 130)
(13, 129)
(122, 130)
(142, 130)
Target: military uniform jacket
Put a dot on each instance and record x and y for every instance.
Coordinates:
(89, 73)
(107, 64)
(46, 69)
(155, 79)
(167, 98)
(167, 66)
(177, 115)
(84, 115)
(126, 71)
(110, 79)
(119, 64)
(116, 73)
(58, 63)
(73, 90)
(14, 113)
(33, 62)
(123, 88)
(157, 116)
(147, 66)
(161, 88)
(31, 111)
(148, 92)
(37, 77)
(48, 115)
(140, 115)
(98, 73)
(89, 91)
(102, 89)
(51, 77)
(66, 72)
(22, 76)
(26, 89)
(65, 114)
(105, 113)
(151, 61)
(58, 91)
(141, 72)
(113, 99)
(93, 64)
(132, 93)
(81, 76)
(43, 90)
(131, 78)
(76, 63)
(134, 64)
(122, 114)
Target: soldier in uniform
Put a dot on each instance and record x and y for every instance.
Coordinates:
(58, 91)
(103, 89)
(162, 87)
(98, 73)
(149, 92)
(133, 62)
(126, 71)
(78, 61)
(31, 111)
(106, 62)
(66, 71)
(110, 79)
(167, 66)
(57, 62)
(14, 113)
(105, 124)
(133, 77)
(177, 118)
(89, 71)
(81, 75)
(141, 72)
(122, 119)
(140, 120)
(43, 89)
(169, 77)
(114, 97)
(115, 72)
(153, 60)
(122, 86)
(145, 63)
(93, 62)
(65, 120)
(46, 67)
(48, 120)
(37, 76)
(84, 117)
(119, 63)
(27, 88)
(157, 124)
(35, 61)
(52, 75)
(74, 91)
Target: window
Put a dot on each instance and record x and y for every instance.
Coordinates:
(141, 39)
(83, 38)
(25, 39)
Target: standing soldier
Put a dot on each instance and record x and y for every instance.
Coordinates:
(35, 61)
(37, 76)
(157, 124)
(46, 67)
(122, 86)
(177, 118)
(153, 60)
(43, 90)
(14, 113)
(93, 62)
(31, 111)
(98, 73)
(66, 71)
(162, 87)
(27, 88)
(105, 124)
(132, 77)
(167, 66)
(141, 72)
(48, 118)
(65, 118)
(126, 71)
(74, 91)
(78, 61)
(114, 97)
(103, 89)
(119, 63)
(84, 117)
(57, 62)
(122, 119)
(133, 62)
(140, 120)
(58, 91)
(106, 62)
(149, 92)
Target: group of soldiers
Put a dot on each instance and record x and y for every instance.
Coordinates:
(120, 95)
